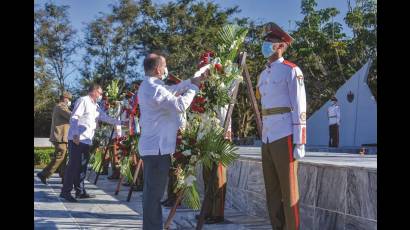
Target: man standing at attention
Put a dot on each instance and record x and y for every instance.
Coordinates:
(333, 113)
(160, 106)
(282, 92)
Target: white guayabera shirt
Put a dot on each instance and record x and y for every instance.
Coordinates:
(160, 114)
(84, 119)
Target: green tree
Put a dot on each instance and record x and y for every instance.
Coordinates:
(56, 42)
(362, 19)
(181, 30)
(321, 51)
(111, 45)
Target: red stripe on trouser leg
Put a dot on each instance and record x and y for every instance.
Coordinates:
(221, 189)
(304, 135)
(293, 201)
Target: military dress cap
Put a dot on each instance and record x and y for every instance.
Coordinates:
(272, 30)
(67, 94)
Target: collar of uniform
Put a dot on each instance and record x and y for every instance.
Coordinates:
(279, 60)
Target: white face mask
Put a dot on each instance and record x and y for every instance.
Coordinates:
(99, 98)
(68, 103)
(165, 76)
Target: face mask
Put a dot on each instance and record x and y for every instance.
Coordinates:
(165, 76)
(99, 98)
(267, 49)
(68, 103)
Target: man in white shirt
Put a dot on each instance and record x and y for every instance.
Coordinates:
(83, 122)
(333, 114)
(160, 107)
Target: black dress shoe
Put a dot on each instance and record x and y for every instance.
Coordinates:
(68, 197)
(43, 179)
(214, 220)
(84, 196)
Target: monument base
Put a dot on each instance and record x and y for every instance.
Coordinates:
(337, 190)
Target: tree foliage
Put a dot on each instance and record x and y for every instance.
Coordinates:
(115, 42)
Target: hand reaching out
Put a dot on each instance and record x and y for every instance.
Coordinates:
(197, 80)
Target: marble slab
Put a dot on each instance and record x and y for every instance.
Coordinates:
(357, 223)
(362, 194)
(331, 188)
(307, 178)
(326, 220)
(307, 215)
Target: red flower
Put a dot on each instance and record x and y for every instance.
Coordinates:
(200, 100)
(218, 67)
(178, 155)
(198, 109)
(194, 108)
(179, 140)
(202, 86)
(201, 109)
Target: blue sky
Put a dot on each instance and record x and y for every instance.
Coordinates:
(280, 12)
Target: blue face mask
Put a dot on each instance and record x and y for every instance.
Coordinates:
(267, 49)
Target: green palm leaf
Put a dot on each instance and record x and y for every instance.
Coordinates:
(215, 148)
(125, 169)
(97, 160)
(191, 197)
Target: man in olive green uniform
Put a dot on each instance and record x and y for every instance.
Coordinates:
(58, 136)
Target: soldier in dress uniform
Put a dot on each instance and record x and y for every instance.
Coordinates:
(333, 114)
(281, 90)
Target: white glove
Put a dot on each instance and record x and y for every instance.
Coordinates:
(299, 151)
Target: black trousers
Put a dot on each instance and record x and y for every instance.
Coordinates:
(334, 135)
(156, 170)
(74, 176)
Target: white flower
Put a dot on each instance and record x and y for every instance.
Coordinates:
(233, 45)
(200, 135)
(187, 152)
(222, 86)
(193, 159)
(190, 180)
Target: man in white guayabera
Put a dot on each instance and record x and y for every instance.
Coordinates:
(160, 107)
(83, 122)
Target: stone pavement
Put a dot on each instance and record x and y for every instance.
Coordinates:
(108, 211)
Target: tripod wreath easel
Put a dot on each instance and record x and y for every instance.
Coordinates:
(206, 201)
